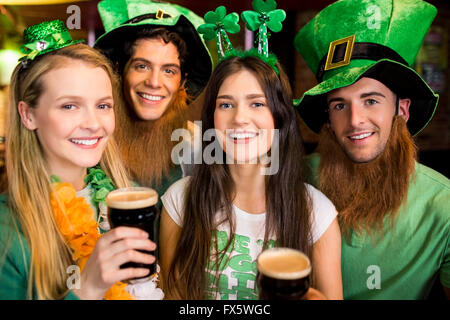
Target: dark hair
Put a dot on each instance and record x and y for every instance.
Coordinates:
(212, 188)
(121, 57)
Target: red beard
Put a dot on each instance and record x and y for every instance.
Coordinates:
(365, 193)
(146, 146)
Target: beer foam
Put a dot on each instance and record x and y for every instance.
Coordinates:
(132, 198)
(284, 263)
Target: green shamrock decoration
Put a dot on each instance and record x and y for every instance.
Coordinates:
(265, 15)
(218, 23)
(99, 182)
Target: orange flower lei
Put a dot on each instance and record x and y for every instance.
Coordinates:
(76, 221)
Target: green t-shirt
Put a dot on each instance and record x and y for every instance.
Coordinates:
(14, 258)
(406, 260)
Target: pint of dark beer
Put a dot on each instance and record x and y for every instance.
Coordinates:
(283, 274)
(134, 207)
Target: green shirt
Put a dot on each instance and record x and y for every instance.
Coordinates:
(409, 257)
(15, 260)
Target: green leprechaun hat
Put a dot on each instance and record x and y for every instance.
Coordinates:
(379, 39)
(45, 37)
(122, 18)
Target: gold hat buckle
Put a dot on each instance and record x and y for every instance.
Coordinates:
(159, 14)
(350, 41)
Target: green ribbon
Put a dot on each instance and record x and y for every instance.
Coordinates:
(51, 42)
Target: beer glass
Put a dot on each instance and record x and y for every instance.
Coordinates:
(283, 274)
(135, 207)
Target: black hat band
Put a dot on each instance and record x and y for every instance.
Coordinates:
(361, 50)
(158, 15)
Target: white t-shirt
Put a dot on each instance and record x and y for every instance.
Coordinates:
(237, 277)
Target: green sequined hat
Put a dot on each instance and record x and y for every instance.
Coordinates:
(379, 39)
(123, 18)
(45, 37)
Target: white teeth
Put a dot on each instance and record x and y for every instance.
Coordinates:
(85, 142)
(150, 97)
(361, 136)
(242, 135)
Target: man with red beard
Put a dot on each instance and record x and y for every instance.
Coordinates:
(393, 212)
(164, 64)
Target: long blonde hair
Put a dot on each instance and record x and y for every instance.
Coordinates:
(28, 174)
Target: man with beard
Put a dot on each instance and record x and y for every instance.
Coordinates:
(164, 64)
(393, 212)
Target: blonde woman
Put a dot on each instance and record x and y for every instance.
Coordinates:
(61, 122)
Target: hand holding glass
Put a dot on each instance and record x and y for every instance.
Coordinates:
(134, 207)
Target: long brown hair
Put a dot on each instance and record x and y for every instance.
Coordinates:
(366, 193)
(29, 177)
(212, 188)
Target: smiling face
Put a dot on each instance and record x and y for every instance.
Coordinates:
(152, 77)
(73, 118)
(361, 117)
(242, 118)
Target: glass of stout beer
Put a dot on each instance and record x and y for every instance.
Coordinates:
(283, 274)
(134, 207)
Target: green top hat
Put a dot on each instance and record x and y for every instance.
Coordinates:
(379, 39)
(122, 19)
(45, 37)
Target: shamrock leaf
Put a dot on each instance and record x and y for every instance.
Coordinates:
(262, 6)
(251, 18)
(219, 20)
(276, 17)
(208, 31)
(231, 23)
(216, 16)
(265, 13)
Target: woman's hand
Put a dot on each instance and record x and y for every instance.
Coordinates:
(113, 249)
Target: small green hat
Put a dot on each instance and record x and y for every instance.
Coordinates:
(123, 18)
(379, 39)
(45, 37)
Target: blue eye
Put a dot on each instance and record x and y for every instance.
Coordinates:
(258, 104)
(225, 105)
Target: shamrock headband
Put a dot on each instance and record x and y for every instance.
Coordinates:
(265, 16)
(45, 37)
